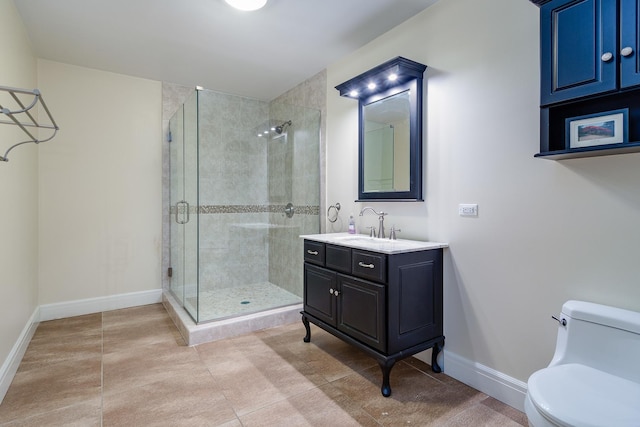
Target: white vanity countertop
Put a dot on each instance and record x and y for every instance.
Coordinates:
(362, 241)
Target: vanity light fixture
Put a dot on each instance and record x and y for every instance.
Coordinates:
(247, 5)
(393, 73)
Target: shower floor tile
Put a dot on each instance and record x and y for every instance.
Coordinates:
(227, 302)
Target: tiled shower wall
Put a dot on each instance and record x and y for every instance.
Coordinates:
(245, 237)
(299, 152)
(232, 191)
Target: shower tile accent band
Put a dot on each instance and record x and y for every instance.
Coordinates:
(224, 209)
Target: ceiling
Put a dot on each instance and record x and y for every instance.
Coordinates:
(207, 43)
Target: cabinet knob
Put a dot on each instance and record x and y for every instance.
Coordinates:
(331, 291)
(626, 51)
(606, 57)
(336, 292)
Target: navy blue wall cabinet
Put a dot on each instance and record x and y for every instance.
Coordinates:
(629, 43)
(589, 65)
(576, 38)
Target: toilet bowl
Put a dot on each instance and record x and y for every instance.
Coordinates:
(593, 379)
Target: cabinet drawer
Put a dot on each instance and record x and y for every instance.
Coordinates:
(338, 258)
(369, 265)
(314, 252)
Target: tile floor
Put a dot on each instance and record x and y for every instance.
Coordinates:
(131, 368)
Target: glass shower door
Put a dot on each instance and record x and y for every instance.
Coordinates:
(183, 128)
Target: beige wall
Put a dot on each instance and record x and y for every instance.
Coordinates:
(100, 185)
(547, 231)
(18, 191)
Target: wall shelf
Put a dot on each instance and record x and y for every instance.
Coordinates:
(601, 150)
(19, 114)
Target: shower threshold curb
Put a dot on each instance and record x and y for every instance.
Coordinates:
(194, 334)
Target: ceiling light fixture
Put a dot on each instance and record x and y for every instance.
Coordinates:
(247, 5)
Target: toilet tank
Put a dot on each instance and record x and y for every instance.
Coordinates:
(604, 337)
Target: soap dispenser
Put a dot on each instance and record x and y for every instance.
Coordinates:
(352, 225)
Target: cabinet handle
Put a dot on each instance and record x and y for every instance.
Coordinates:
(362, 264)
(310, 252)
(626, 51)
(606, 57)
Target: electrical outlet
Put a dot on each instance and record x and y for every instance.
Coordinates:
(468, 209)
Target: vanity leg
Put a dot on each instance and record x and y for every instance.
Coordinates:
(305, 322)
(437, 348)
(386, 371)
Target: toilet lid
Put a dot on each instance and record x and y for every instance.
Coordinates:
(577, 395)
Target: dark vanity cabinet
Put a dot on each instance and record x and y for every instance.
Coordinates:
(389, 305)
(590, 69)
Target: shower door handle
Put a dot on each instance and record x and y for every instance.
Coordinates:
(186, 208)
(187, 211)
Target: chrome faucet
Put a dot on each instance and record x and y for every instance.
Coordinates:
(380, 218)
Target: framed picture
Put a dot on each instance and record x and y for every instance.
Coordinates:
(610, 127)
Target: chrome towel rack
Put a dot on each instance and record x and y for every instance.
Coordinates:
(20, 115)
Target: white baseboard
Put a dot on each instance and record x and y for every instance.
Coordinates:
(489, 381)
(61, 310)
(12, 362)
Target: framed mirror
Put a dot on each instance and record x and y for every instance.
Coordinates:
(390, 130)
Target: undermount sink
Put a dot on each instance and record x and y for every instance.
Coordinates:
(362, 241)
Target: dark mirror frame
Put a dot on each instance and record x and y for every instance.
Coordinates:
(409, 78)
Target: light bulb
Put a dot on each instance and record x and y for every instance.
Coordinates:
(247, 5)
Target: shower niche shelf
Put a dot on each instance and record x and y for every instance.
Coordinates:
(19, 114)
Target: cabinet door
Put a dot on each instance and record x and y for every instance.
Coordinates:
(319, 297)
(361, 311)
(414, 298)
(577, 37)
(629, 42)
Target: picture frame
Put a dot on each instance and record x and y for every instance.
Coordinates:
(610, 127)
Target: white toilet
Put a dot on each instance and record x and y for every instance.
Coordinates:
(593, 379)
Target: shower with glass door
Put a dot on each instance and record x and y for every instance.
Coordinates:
(245, 183)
